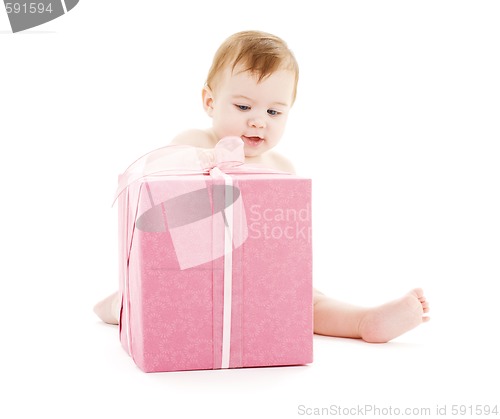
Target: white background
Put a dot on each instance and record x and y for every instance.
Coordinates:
(396, 121)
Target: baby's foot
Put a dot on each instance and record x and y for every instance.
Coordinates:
(384, 323)
(108, 309)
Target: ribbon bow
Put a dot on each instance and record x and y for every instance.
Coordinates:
(183, 159)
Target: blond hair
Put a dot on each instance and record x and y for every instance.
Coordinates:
(260, 53)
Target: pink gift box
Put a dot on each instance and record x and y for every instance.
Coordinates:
(216, 271)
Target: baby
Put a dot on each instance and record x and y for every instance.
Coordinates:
(249, 92)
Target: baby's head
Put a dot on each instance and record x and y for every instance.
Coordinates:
(250, 88)
(259, 53)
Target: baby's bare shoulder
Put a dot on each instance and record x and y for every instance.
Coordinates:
(280, 162)
(195, 138)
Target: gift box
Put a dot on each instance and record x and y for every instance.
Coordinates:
(215, 262)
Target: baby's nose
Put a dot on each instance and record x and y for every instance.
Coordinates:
(257, 123)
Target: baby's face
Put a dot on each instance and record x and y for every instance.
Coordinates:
(256, 112)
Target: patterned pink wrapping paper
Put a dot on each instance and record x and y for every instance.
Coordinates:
(172, 271)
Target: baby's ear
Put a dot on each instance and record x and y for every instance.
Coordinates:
(208, 100)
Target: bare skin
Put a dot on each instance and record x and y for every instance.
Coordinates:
(108, 309)
(378, 324)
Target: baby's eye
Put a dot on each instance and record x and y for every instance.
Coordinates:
(273, 112)
(243, 107)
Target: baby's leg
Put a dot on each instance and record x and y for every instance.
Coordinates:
(334, 318)
(108, 309)
(376, 325)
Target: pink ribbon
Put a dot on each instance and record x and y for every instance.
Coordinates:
(181, 159)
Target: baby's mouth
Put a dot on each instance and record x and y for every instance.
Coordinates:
(252, 141)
